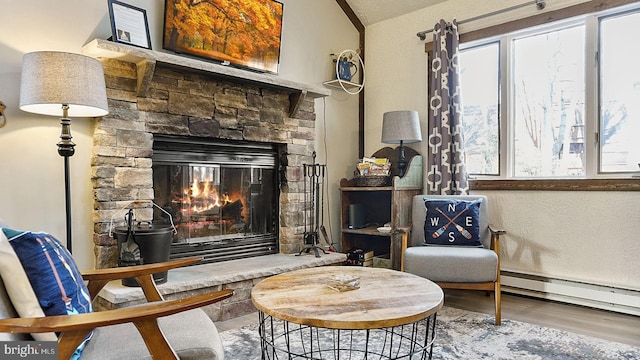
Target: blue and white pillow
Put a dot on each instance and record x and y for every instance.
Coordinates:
(18, 287)
(452, 222)
(53, 274)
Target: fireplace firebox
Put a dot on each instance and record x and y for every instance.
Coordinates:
(222, 196)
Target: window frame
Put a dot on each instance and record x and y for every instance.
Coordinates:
(590, 16)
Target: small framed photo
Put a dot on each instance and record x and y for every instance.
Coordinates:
(129, 24)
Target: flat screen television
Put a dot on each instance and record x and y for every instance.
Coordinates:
(241, 33)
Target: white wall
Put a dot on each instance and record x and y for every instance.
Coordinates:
(315, 29)
(31, 179)
(586, 236)
(589, 236)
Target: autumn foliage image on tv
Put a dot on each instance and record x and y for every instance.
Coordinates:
(243, 33)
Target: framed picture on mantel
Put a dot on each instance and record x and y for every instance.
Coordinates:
(129, 24)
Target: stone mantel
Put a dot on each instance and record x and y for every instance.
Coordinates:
(146, 61)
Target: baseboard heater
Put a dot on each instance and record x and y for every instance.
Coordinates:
(574, 292)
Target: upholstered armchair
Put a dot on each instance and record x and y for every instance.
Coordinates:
(449, 252)
(159, 329)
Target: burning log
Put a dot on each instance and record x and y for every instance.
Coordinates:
(232, 210)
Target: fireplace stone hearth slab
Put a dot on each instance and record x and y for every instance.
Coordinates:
(239, 275)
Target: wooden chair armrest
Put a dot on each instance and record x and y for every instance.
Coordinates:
(405, 231)
(62, 323)
(495, 240)
(74, 328)
(136, 270)
(98, 278)
(495, 231)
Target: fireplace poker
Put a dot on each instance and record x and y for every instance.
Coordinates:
(304, 189)
(316, 180)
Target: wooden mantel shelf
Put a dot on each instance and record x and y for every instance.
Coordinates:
(146, 61)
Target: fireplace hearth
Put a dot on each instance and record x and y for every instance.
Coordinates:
(221, 195)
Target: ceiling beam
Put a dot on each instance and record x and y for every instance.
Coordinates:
(351, 15)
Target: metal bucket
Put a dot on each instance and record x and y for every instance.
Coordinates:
(143, 243)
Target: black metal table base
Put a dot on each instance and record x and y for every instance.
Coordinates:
(286, 340)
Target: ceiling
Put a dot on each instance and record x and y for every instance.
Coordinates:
(373, 11)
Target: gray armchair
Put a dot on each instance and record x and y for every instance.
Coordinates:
(454, 267)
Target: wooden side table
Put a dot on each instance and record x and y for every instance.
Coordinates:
(380, 205)
(391, 316)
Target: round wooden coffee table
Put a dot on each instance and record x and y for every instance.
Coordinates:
(392, 314)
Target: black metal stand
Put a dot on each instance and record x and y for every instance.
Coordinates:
(314, 177)
(281, 339)
(66, 149)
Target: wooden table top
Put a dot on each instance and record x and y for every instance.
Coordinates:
(386, 298)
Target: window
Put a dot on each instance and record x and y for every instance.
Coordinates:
(548, 102)
(619, 93)
(480, 90)
(540, 104)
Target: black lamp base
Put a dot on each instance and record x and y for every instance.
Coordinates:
(66, 149)
(402, 160)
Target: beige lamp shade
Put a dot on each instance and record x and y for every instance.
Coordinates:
(403, 125)
(51, 79)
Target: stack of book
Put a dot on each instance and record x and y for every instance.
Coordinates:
(359, 257)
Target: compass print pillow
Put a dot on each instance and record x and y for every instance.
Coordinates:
(452, 222)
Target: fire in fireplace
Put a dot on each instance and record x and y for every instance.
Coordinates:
(222, 196)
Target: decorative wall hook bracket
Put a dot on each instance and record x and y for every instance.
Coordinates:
(3, 118)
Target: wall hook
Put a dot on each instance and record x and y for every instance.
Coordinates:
(3, 118)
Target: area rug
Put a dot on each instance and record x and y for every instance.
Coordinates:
(464, 334)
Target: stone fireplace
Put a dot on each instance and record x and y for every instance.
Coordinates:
(153, 95)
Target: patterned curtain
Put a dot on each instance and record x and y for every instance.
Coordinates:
(446, 173)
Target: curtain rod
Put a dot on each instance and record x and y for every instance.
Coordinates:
(540, 4)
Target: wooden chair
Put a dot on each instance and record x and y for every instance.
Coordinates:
(454, 267)
(160, 329)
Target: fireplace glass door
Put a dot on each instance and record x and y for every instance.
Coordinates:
(222, 198)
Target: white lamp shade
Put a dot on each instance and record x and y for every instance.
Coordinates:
(403, 125)
(51, 79)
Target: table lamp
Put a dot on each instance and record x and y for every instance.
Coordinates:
(67, 85)
(400, 127)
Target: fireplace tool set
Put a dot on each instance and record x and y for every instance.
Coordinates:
(313, 176)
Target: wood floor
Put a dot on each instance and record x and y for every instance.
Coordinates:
(577, 319)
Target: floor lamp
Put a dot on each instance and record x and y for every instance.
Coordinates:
(401, 127)
(67, 85)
